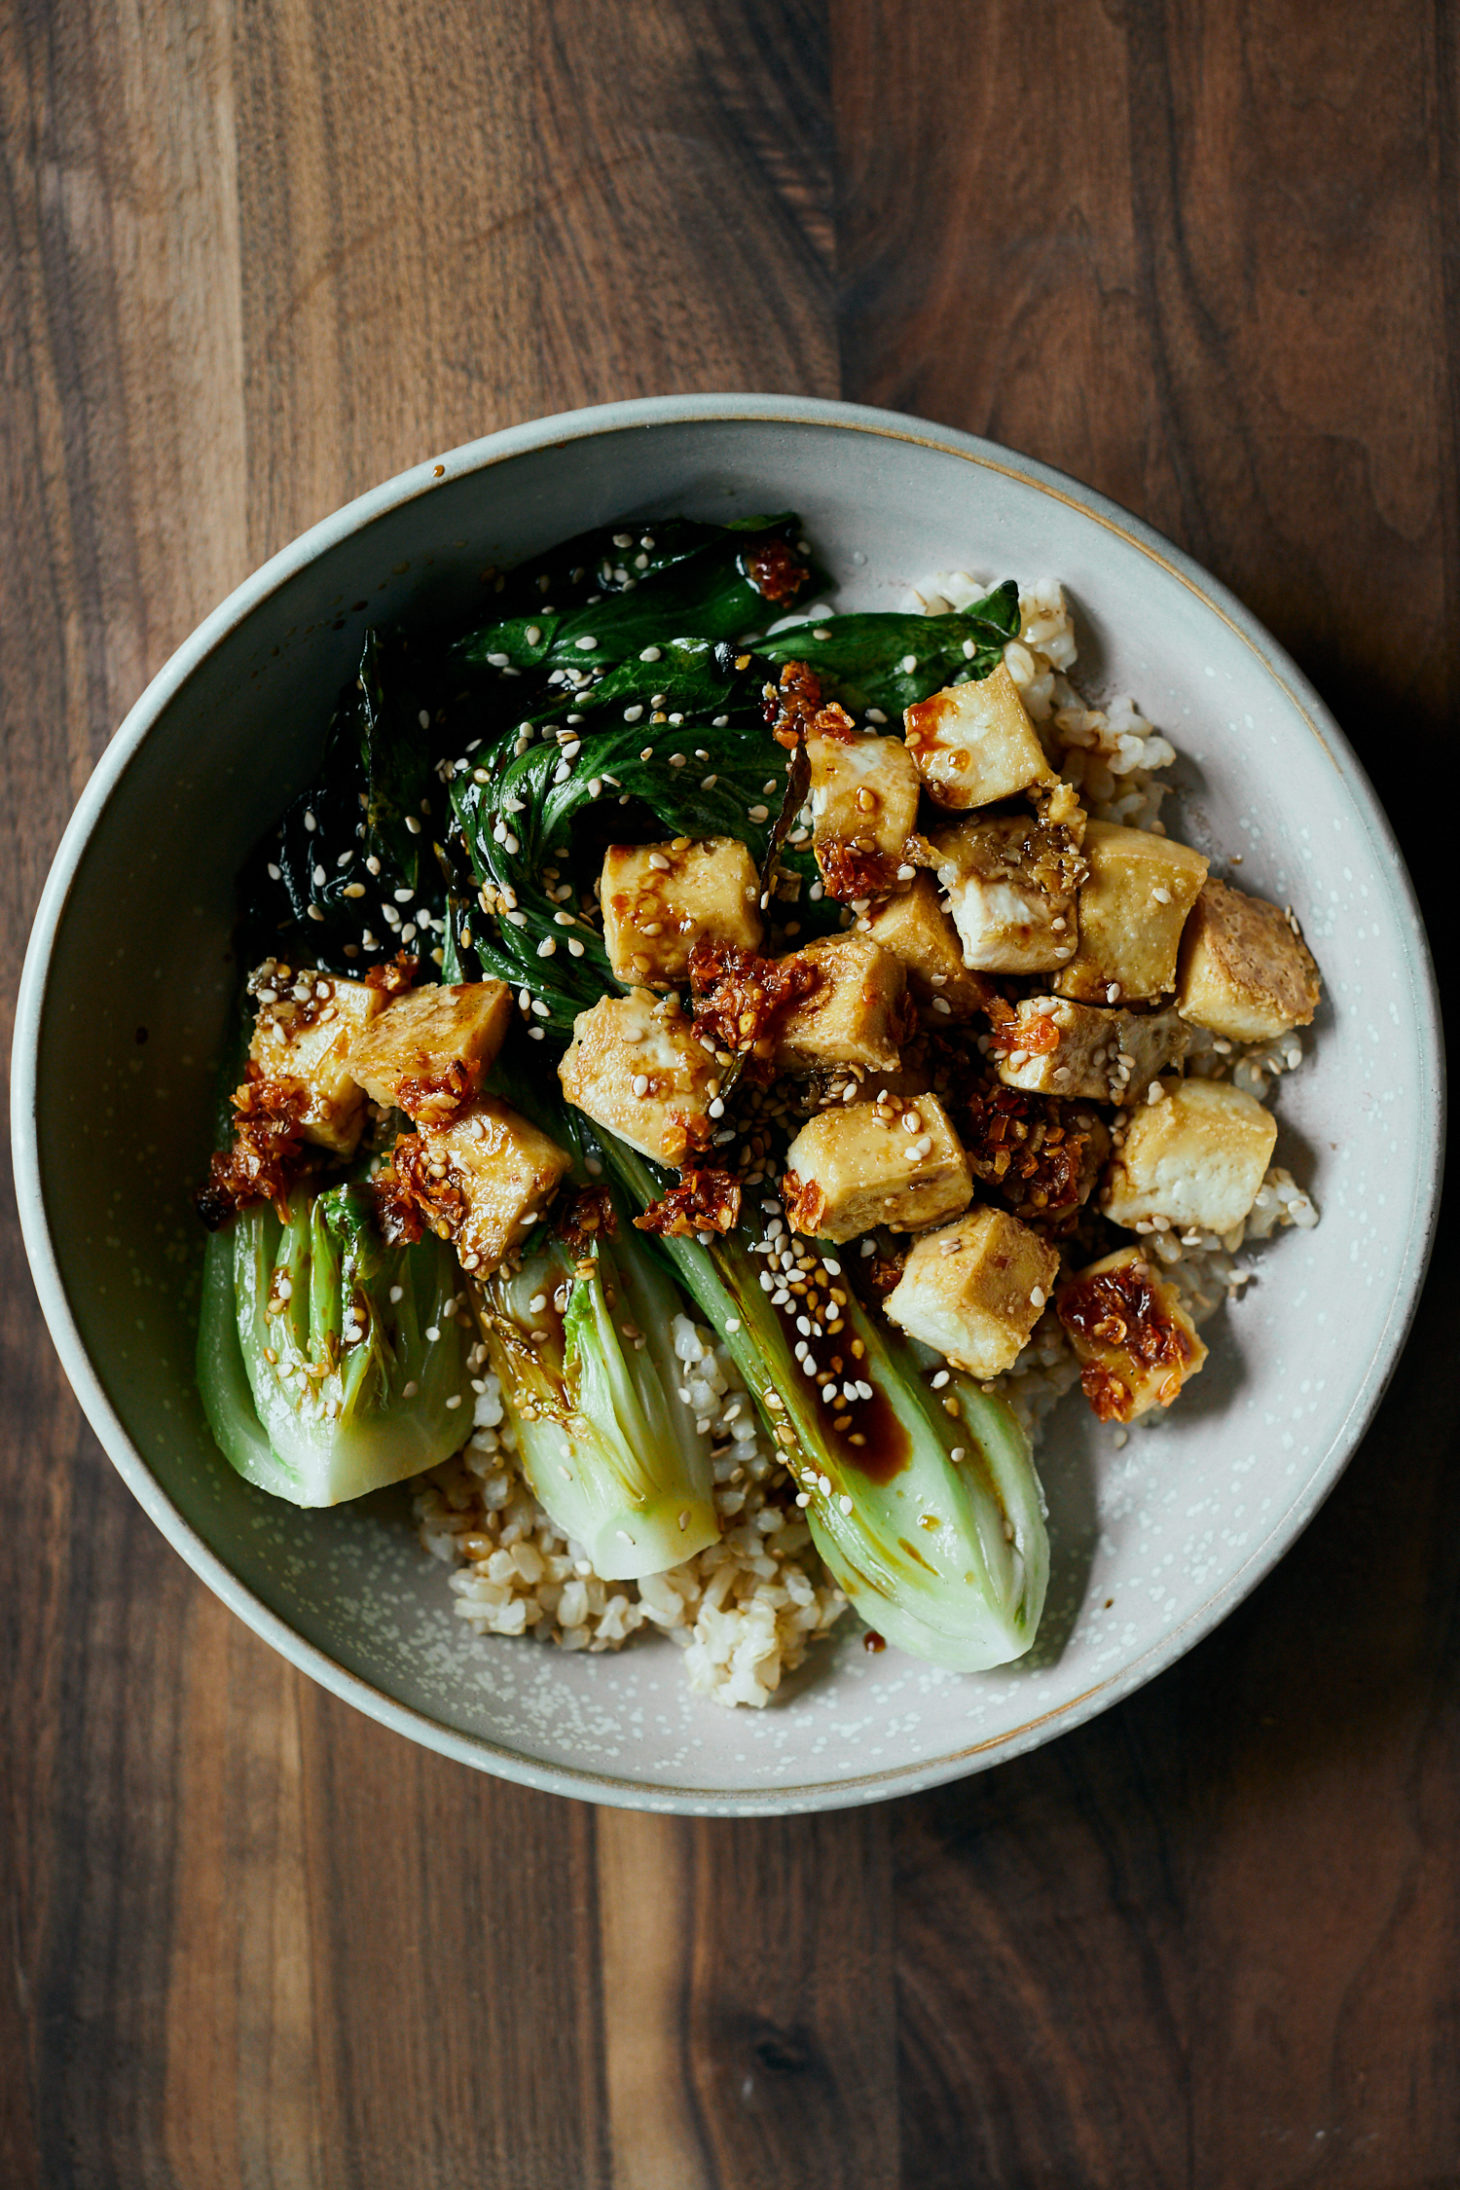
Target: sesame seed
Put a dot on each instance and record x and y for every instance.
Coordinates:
(821, 632)
(641, 1084)
(585, 645)
(310, 823)
(908, 664)
(759, 813)
(875, 714)
(650, 654)
(676, 760)
(632, 714)
(547, 947)
(276, 874)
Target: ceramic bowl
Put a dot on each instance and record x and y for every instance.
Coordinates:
(1153, 1543)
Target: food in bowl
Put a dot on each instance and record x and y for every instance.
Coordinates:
(697, 1130)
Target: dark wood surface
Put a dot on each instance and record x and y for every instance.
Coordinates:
(256, 255)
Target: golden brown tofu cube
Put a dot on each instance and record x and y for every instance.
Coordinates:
(1053, 1046)
(1135, 1343)
(429, 1050)
(887, 1162)
(1011, 886)
(856, 1015)
(659, 899)
(1242, 971)
(1195, 1158)
(975, 743)
(864, 808)
(1132, 909)
(917, 931)
(974, 1290)
(504, 1169)
(636, 1066)
(309, 1039)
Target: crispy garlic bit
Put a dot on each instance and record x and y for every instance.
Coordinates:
(307, 1040)
(1132, 910)
(886, 1162)
(975, 1289)
(1195, 1157)
(659, 900)
(636, 1065)
(1244, 972)
(428, 1052)
(975, 743)
(1135, 1343)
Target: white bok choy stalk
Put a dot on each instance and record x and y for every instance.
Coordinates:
(948, 1557)
(581, 1337)
(329, 1363)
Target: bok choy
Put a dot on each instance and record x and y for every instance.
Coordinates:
(329, 1363)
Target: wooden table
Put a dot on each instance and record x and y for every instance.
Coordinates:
(254, 256)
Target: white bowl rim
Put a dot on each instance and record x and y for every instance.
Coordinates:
(422, 479)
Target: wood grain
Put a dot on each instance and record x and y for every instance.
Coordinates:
(257, 254)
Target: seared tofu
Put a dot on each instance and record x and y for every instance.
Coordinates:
(974, 1290)
(975, 743)
(1194, 1158)
(430, 1049)
(857, 1013)
(888, 1162)
(1135, 1343)
(504, 1169)
(1133, 906)
(1039, 1157)
(864, 808)
(918, 932)
(1011, 884)
(309, 1039)
(1242, 971)
(1055, 1047)
(636, 1066)
(660, 899)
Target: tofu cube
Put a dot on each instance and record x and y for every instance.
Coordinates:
(889, 1162)
(1242, 971)
(1135, 1343)
(1133, 907)
(636, 1066)
(856, 1015)
(864, 808)
(504, 1168)
(1039, 1157)
(1011, 886)
(659, 899)
(1092, 1052)
(430, 1049)
(919, 933)
(309, 1039)
(974, 1290)
(975, 743)
(1195, 1158)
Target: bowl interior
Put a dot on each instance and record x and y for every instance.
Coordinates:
(1152, 1542)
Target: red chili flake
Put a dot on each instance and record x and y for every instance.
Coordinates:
(739, 997)
(705, 1200)
(269, 1153)
(396, 977)
(773, 570)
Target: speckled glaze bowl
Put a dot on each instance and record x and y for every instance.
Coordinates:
(1153, 1543)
